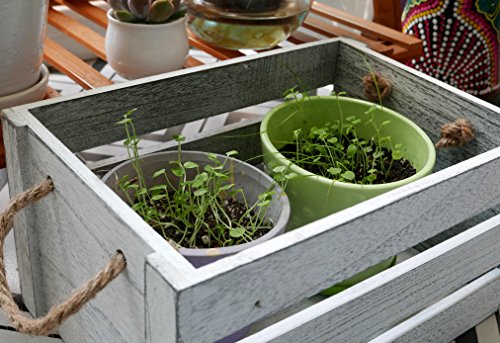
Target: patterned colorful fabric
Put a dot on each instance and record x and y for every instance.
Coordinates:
(461, 41)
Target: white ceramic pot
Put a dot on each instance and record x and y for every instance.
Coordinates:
(139, 50)
(22, 31)
(31, 94)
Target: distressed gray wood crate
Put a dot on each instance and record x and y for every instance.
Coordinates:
(63, 239)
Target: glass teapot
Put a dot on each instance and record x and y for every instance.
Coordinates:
(246, 24)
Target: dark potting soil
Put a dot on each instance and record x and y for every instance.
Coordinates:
(400, 169)
(234, 208)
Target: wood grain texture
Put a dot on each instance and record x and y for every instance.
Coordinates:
(424, 100)
(430, 104)
(17, 157)
(79, 32)
(161, 298)
(76, 69)
(387, 13)
(86, 9)
(75, 238)
(183, 96)
(337, 247)
(242, 137)
(368, 28)
(452, 316)
(325, 28)
(366, 310)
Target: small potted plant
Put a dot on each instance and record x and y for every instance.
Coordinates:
(146, 37)
(344, 151)
(206, 205)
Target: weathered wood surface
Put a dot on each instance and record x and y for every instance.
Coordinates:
(82, 122)
(242, 136)
(368, 309)
(77, 228)
(7, 335)
(72, 232)
(223, 295)
(429, 103)
(451, 316)
(423, 99)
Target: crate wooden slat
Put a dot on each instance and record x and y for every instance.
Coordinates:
(62, 239)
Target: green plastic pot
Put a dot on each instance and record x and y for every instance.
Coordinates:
(313, 197)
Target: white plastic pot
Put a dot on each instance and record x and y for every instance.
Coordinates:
(22, 31)
(139, 50)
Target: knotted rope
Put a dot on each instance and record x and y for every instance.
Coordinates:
(375, 84)
(458, 133)
(59, 313)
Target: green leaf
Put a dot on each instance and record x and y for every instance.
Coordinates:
(348, 175)
(290, 176)
(237, 232)
(222, 176)
(158, 197)
(158, 188)
(351, 150)
(179, 138)
(158, 173)
(334, 171)
(177, 171)
(200, 192)
(387, 122)
(333, 140)
(264, 203)
(142, 191)
(397, 154)
(226, 187)
(231, 153)
(202, 177)
(372, 171)
(279, 169)
(190, 165)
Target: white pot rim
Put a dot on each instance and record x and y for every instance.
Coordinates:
(29, 93)
(115, 21)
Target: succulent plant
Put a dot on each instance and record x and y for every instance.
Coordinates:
(147, 11)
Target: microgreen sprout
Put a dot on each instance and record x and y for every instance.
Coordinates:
(335, 150)
(194, 205)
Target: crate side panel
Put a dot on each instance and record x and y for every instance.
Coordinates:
(423, 99)
(452, 316)
(305, 261)
(243, 137)
(368, 309)
(161, 301)
(17, 156)
(79, 226)
(89, 121)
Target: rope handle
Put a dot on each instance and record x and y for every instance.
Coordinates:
(59, 313)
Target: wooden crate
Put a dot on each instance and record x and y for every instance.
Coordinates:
(433, 296)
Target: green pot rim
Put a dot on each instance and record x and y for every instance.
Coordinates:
(426, 169)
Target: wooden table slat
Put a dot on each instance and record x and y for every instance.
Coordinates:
(71, 65)
(79, 32)
(86, 9)
(326, 29)
(366, 26)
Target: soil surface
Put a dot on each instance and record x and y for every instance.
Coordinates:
(400, 169)
(234, 208)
